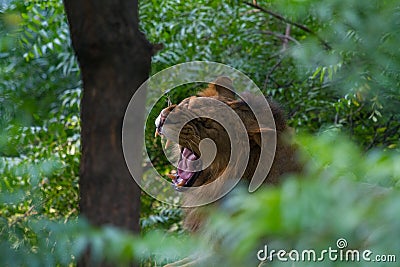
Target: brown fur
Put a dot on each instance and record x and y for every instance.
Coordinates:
(198, 129)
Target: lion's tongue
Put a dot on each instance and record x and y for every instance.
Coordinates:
(186, 165)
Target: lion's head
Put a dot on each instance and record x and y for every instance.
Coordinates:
(197, 127)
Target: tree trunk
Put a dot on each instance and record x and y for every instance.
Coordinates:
(114, 58)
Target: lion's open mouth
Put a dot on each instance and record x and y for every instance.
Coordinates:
(186, 173)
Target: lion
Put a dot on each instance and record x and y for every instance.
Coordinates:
(200, 127)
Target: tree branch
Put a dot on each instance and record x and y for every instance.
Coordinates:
(28, 213)
(267, 77)
(281, 36)
(287, 36)
(281, 18)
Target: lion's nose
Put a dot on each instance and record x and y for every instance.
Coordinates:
(161, 119)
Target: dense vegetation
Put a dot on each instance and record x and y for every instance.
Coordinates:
(334, 66)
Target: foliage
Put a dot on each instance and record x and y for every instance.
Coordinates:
(40, 242)
(158, 215)
(352, 85)
(37, 61)
(342, 194)
(362, 63)
(39, 130)
(337, 73)
(40, 127)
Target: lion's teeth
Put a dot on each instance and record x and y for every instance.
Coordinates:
(171, 176)
(167, 144)
(180, 182)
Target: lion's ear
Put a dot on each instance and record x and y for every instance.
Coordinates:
(255, 134)
(224, 87)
